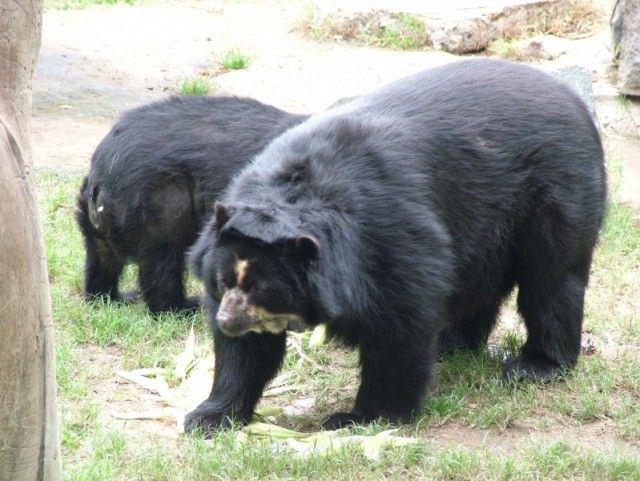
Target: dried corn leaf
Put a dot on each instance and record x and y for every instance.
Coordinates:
(318, 336)
(184, 361)
(196, 375)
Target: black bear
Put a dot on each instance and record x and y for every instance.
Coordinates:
(154, 179)
(403, 217)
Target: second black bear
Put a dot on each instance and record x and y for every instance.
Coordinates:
(153, 181)
(401, 218)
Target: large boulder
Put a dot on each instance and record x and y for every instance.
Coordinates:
(625, 26)
(579, 79)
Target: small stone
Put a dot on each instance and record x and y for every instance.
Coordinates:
(299, 407)
(546, 46)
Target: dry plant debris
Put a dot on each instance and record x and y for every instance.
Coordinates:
(194, 376)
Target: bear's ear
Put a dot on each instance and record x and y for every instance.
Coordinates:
(305, 246)
(221, 214)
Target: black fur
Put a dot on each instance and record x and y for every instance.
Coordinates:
(430, 200)
(154, 178)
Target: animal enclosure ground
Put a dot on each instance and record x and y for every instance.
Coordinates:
(471, 427)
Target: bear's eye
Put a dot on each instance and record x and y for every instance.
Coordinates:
(252, 287)
(226, 281)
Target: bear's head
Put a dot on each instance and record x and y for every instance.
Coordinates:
(255, 261)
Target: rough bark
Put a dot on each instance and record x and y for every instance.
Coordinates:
(29, 444)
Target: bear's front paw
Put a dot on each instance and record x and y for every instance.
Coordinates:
(343, 420)
(208, 417)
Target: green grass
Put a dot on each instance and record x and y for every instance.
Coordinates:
(223, 458)
(591, 420)
(235, 60)
(397, 30)
(407, 33)
(195, 86)
(100, 323)
(78, 4)
(510, 49)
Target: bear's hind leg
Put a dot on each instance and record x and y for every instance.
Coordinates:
(102, 269)
(553, 315)
(470, 332)
(161, 273)
(553, 262)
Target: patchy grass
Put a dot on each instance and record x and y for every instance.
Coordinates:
(78, 4)
(112, 459)
(398, 30)
(195, 86)
(472, 425)
(406, 33)
(511, 49)
(235, 60)
(403, 31)
(567, 18)
(564, 18)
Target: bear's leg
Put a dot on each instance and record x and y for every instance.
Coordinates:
(243, 366)
(160, 276)
(552, 308)
(552, 261)
(470, 332)
(394, 377)
(102, 269)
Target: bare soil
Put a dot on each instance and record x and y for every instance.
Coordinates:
(596, 436)
(99, 61)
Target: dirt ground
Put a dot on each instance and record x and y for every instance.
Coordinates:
(99, 61)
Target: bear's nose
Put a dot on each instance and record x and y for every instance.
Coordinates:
(228, 326)
(223, 318)
(231, 316)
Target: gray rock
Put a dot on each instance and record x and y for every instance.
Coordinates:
(579, 79)
(465, 36)
(454, 26)
(625, 24)
(475, 30)
(616, 25)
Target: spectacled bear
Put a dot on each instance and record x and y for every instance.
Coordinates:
(403, 218)
(152, 182)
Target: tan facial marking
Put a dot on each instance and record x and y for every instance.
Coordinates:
(241, 270)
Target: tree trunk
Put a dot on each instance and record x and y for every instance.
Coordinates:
(29, 445)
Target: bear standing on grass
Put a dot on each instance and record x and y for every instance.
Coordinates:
(402, 219)
(153, 182)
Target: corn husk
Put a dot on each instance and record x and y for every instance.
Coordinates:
(325, 442)
(318, 336)
(195, 375)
